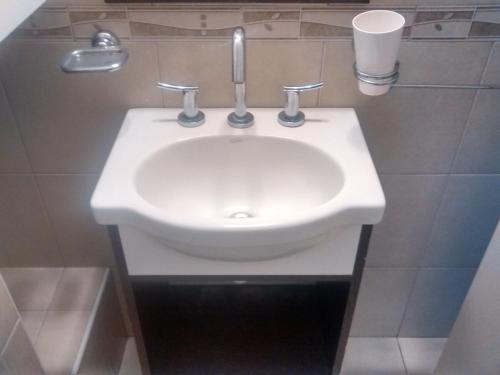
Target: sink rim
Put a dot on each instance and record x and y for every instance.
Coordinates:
(257, 222)
(335, 131)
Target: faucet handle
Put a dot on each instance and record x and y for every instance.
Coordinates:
(291, 116)
(190, 117)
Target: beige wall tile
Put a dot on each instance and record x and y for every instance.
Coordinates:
(32, 288)
(271, 65)
(204, 64)
(13, 159)
(69, 121)
(8, 314)
(19, 356)
(25, 234)
(83, 242)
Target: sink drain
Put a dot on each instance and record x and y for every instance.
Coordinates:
(241, 215)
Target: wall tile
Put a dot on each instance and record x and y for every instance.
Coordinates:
(183, 23)
(25, 234)
(486, 23)
(266, 72)
(374, 356)
(13, 159)
(83, 242)
(465, 222)
(32, 288)
(415, 130)
(204, 64)
(19, 356)
(421, 355)
(492, 72)
(45, 23)
(59, 340)
(271, 24)
(412, 202)
(69, 121)
(448, 23)
(382, 300)
(482, 133)
(9, 316)
(86, 22)
(435, 302)
(434, 62)
(317, 23)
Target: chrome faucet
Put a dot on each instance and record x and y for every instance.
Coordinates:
(240, 118)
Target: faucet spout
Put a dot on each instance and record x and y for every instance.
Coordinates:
(240, 118)
(239, 47)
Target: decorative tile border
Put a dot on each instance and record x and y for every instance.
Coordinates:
(442, 24)
(261, 21)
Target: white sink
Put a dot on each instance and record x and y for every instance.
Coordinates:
(228, 194)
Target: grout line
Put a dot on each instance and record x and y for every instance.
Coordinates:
(401, 354)
(321, 73)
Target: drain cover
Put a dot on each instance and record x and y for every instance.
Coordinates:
(241, 215)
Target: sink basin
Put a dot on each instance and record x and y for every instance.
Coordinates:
(252, 194)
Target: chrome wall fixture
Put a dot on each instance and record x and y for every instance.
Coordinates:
(106, 55)
(392, 78)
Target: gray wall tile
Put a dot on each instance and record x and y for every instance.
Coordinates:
(415, 130)
(412, 202)
(435, 301)
(465, 222)
(8, 313)
(25, 233)
(19, 356)
(83, 242)
(13, 159)
(443, 62)
(69, 121)
(382, 300)
(492, 71)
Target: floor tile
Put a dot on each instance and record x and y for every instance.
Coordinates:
(32, 288)
(130, 363)
(59, 340)
(373, 356)
(32, 322)
(77, 289)
(421, 355)
(19, 358)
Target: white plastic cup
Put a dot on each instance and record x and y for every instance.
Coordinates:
(377, 35)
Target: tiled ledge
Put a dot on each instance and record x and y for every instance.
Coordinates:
(66, 313)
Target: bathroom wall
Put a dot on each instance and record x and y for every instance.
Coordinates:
(437, 150)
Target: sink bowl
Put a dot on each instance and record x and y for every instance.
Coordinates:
(227, 194)
(221, 181)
